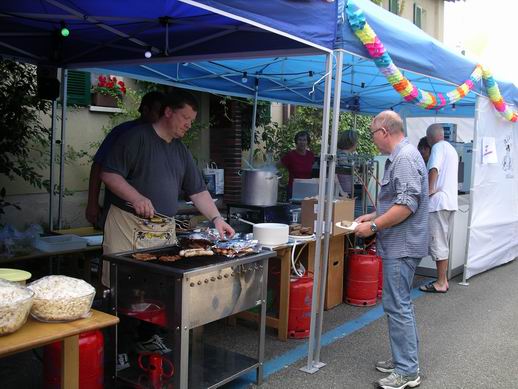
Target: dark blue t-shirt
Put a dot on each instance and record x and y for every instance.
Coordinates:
(111, 138)
(156, 169)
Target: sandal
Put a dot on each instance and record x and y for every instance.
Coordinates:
(430, 288)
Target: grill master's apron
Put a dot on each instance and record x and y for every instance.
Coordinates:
(123, 231)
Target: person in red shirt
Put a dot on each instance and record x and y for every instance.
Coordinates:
(299, 162)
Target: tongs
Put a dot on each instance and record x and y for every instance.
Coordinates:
(165, 217)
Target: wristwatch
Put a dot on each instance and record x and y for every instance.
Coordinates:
(374, 227)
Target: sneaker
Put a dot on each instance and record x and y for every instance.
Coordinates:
(398, 381)
(385, 366)
(154, 345)
(122, 362)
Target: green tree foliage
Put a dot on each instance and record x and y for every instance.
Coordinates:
(24, 139)
(279, 139)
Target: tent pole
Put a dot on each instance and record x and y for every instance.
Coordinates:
(64, 77)
(254, 120)
(51, 166)
(330, 197)
(464, 281)
(311, 367)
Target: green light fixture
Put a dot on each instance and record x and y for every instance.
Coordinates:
(65, 32)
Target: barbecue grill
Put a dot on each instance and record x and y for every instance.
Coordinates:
(186, 294)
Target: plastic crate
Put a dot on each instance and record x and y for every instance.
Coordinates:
(60, 243)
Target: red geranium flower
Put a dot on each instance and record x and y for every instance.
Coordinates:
(109, 85)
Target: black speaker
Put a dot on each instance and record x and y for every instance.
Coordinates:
(48, 83)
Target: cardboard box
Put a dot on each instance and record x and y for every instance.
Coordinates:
(343, 209)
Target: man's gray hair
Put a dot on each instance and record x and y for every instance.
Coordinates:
(390, 121)
(435, 131)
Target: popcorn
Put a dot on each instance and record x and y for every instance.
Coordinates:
(15, 304)
(61, 298)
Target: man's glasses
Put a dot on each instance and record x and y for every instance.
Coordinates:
(375, 131)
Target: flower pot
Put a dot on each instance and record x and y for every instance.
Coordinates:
(104, 100)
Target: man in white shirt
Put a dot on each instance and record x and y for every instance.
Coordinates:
(443, 187)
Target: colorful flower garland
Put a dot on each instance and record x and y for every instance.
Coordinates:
(406, 89)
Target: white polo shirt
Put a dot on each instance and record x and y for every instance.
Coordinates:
(445, 159)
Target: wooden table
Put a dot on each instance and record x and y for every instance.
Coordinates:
(80, 231)
(36, 334)
(336, 252)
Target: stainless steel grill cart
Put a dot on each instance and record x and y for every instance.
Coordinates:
(183, 295)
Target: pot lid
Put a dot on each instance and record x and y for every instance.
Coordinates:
(15, 275)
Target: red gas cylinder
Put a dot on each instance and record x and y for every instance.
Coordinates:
(299, 317)
(380, 277)
(372, 250)
(91, 361)
(362, 278)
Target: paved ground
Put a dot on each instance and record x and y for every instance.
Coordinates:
(469, 339)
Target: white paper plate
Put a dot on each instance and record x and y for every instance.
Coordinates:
(302, 237)
(349, 229)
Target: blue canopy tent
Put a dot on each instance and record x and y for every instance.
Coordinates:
(173, 31)
(209, 45)
(104, 33)
(426, 62)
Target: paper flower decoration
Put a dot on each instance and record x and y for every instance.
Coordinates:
(406, 89)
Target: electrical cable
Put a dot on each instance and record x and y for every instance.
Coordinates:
(366, 190)
(294, 260)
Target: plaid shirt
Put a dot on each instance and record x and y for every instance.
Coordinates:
(405, 182)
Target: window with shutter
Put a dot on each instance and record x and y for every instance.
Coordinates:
(394, 6)
(418, 16)
(78, 88)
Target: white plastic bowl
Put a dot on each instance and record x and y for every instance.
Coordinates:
(271, 234)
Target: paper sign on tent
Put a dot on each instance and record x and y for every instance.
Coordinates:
(489, 150)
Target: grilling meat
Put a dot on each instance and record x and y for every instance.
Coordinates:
(169, 258)
(144, 256)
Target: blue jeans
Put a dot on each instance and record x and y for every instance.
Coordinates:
(398, 275)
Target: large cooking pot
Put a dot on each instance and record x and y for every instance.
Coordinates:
(259, 187)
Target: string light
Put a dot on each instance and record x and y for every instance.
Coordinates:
(64, 31)
(148, 53)
(244, 80)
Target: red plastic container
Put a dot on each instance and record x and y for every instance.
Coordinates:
(362, 278)
(151, 311)
(299, 317)
(91, 362)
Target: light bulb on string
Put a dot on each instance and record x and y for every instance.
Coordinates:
(244, 80)
(64, 31)
(148, 53)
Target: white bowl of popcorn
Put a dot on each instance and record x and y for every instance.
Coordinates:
(61, 298)
(15, 305)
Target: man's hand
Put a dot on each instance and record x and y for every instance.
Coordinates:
(366, 218)
(224, 229)
(92, 213)
(363, 230)
(143, 207)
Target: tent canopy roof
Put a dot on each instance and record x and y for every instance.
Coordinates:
(121, 31)
(209, 45)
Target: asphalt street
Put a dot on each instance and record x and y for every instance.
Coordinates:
(468, 339)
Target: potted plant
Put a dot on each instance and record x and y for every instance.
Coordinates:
(108, 91)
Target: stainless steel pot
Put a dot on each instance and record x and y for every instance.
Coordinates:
(260, 187)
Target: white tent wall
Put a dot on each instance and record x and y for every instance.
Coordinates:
(493, 236)
(416, 127)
